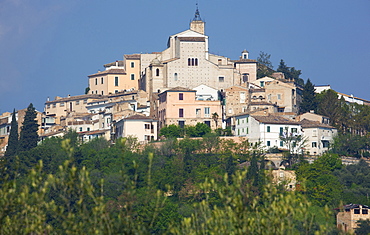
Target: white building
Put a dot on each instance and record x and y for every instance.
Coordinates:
(142, 127)
(267, 130)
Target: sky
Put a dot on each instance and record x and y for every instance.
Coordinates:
(48, 48)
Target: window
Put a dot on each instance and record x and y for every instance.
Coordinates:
(208, 123)
(115, 91)
(356, 211)
(181, 112)
(132, 64)
(221, 79)
(88, 129)
(85, 101)
(192, 61)
(279, 96)
(365, 211)
(281, 131)
(147, 126)
(325, 144)
(246, 131)
(197, 112)
(238, 121)
(61, 105)
(116, 81)
(262, 83)
(281, 143)
(314, 144)
(132, 76)
(80, 128)
(96, 92)
(245, 77)
(314, 133)
(96, 81)
(48, 106)
(181, 124)
(77, 102)
(102, 80)
(175, 76)
(181, 96)
(268, 143)
(219, 61)
(268, 129)
(294, 130)
(206, 111)
(102, 92)
(157, 72)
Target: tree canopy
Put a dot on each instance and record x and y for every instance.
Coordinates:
(29, 137)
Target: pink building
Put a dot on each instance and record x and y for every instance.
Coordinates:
(179, 106)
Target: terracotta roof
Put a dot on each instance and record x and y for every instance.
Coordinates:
(180, 89)
(120, 63)
(133, 56)
(169, 60)
(109, 71)
(138, 117)
(192, 39)
(271, 119)
(262, 103)
(92, 132)
(250, 112)
(245, 61)
(307, 124)
(77, 97)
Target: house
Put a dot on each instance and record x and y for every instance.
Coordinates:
(269, 130)
(349, 215)
(142, 127)
(180, 106)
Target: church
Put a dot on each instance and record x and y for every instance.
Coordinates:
(185, 63)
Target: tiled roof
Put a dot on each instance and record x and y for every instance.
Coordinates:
(180, 89)
(169, 60)
(109, 71)
(120, 63)
(77, 97)
(192, 39)
(245, 61)
(262, 103)
(307, 124)
(133, 56)
(137, 117)
(271, 119)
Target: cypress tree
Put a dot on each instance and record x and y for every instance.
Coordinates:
(12, 148)
(28, 136)
(309, 101)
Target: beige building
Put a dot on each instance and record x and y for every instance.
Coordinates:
(348, 217)
(142, 127)
(179, 106)
(61, 107)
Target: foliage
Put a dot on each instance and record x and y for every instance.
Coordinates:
(12, 148)
(171, 131)
(239, 211)
(351, 145)
(29, 137)
(318, 180)
(290, 72)
(309, 101)
(264, 66)
(363, 227)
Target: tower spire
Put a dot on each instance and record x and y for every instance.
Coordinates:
(197, 14)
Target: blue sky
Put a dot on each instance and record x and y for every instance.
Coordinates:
(48, 48)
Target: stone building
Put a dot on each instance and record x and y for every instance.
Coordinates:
(349, 215)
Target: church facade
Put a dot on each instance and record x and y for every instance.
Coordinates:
(185, 63)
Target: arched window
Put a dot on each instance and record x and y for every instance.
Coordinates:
(175, 76)
(192, 61)
(189, 61)
(196, 61)
(96, 81)
(157, 72)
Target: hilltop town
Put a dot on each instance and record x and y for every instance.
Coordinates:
(185, 85)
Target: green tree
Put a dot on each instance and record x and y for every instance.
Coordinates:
(308, 98)
(290, 72)
(29, 137)
(12, 148)
(264, 66)
(363, 227)
(330, 106)
(171, 131)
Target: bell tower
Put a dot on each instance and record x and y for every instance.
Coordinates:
(197, 24)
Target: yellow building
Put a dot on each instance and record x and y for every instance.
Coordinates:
(119, 76)
(348, 217)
